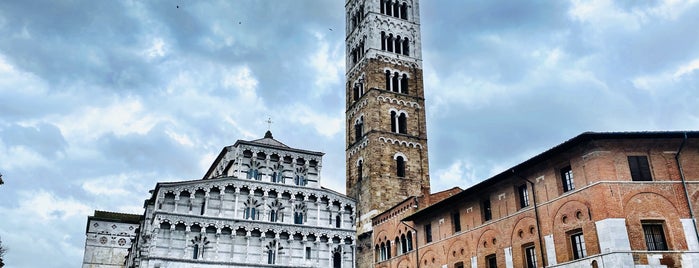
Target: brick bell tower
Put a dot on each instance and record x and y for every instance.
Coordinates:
(385, 111)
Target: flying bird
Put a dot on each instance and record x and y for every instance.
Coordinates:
(330, 29)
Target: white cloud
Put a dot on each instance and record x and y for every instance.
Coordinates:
(327, 64)
(661, 81)
(46, 206)
(325, 125)
(156, 50)
(112, 185)
(460, 173)
(243, 80)
(122, 116)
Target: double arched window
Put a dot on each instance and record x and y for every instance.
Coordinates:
(399, 122)
(395, 9)
(396, 44)
(396, 82)
(356, 17)
(358, 89)
(357, 53)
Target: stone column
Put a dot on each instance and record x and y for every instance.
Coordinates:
(218, 234)
(206, 201)
(235, 204)
(177, 199)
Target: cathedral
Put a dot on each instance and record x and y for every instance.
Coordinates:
(624, 199)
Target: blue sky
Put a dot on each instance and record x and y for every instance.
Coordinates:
(102, 99)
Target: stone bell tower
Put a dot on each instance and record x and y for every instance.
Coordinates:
(385, 111)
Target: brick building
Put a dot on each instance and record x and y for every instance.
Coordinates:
(597, 200)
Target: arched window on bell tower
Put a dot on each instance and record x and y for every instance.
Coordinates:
(399, 122)
(406, 47)
(358, 128)
(394, 82)
(398, 44)
(400, 164)
(360, 169)
(389, 43)
(404, 11)
(404, 84)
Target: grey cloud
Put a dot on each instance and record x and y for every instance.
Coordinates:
(45, 139)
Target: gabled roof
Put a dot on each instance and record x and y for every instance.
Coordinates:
(267, 141)
(531, 162)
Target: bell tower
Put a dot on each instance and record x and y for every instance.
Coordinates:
(386, 137)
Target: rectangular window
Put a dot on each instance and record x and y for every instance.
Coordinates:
(577, 242)
(491, 261)
(523, 196)
(487, 213)
(456, 221)
(308, 253)
(640, 170)
(655, 236)
(530, 256)
(567, 179)
(428, 233)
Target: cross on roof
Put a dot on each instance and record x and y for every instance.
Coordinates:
(269, 123)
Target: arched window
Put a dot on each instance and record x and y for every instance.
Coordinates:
(356, 92)
(406, 47)
(300, 180)
(273, 215)
(360, 172)
(399, 122)
(298, 217)
(394, 82)
(358, 129)
(409, 239)
(398, 247)
(404, 84)
(396, 9)
(338, 221)
(388, 80)
(389, 7)
(398, 42)
(388, 249)
(400, 166)
(403, 123)
(272, 252)
(383, 251)
(404, 11)
(337, 260)
(383, 40)
(277, 177)
(389, 42)
(403, 244)
(250, 213)
(383, 7)
(377, 254)
(195, 252)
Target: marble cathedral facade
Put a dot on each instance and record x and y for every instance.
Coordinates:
(259, 205)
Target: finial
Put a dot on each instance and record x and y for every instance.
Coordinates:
(268, 134)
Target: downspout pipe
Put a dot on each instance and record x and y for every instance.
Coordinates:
(536, 218)
(417, 248)
(684, 185)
